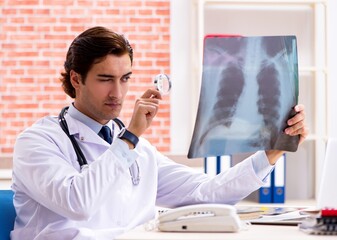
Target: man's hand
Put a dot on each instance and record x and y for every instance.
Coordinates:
(146, 108)
(296, 126)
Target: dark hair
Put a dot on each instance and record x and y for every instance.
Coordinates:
(89, 48)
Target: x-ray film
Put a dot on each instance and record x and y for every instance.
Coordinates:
(248, 92)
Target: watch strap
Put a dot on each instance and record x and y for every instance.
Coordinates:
(129, 136)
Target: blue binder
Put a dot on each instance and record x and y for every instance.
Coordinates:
(215, 165)
(274, 189)
(223, 163)
(279, 181)
(265, 192)
(210, 165)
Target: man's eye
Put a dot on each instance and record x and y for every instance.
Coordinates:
(125, 79)
(104, 79)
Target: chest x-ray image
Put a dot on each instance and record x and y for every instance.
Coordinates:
(249, 88)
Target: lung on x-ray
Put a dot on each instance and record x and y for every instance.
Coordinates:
(248, 92)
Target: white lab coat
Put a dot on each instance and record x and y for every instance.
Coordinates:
(54, 200)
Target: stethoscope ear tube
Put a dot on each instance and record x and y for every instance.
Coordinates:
(63, 123)
(134, 169)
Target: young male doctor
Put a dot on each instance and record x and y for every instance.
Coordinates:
(114, 186)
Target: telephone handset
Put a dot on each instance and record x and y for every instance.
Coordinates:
(200, 218)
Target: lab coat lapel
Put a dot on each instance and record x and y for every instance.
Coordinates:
(83, 132)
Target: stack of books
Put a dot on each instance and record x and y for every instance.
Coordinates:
(322, 223)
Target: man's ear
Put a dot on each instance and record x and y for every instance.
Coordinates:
(75, 79)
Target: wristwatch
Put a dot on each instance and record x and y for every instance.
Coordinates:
(127, 135)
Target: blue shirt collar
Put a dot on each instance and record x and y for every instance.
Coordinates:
(91, 123)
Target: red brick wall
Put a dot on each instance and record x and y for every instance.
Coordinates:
(34, 38)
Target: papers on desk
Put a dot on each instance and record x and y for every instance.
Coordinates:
(272, 215)
(290, 218)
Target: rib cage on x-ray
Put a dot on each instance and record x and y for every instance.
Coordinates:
(238, 70)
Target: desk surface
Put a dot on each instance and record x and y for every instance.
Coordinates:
(259, 232)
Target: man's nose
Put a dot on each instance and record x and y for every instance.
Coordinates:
(116, 90)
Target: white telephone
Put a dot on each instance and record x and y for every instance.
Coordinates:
(200, 218)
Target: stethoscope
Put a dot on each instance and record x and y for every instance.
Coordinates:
(134, 168)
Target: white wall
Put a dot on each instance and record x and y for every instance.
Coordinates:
(181, 101)
(332, 61)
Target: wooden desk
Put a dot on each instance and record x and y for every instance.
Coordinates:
(258, 232)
